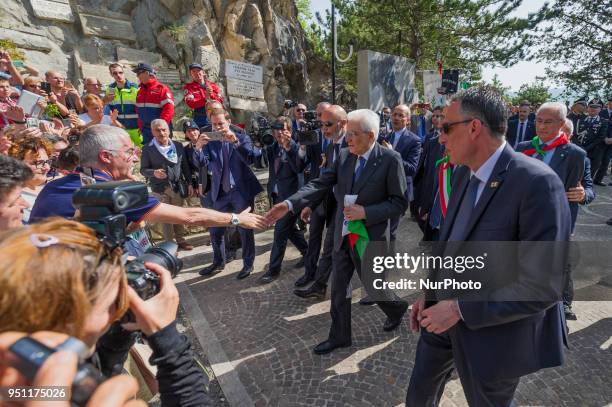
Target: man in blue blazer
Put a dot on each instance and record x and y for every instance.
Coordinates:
(497, 195)
(571, 164)
(234, 186)
(522, 128)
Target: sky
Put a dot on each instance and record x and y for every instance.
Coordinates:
(515, 76)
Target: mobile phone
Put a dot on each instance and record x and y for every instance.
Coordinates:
(18, 64)
(66, 122)
(46, 86)
(214, 135)
(31, 122)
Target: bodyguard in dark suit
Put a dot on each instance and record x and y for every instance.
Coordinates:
(375, 174)
(493, 343)
(285, 166)
(234, 186)
(334, 120)
(408, 145)
(166, 168)
(520, 130)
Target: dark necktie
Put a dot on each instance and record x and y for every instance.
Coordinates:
(519, 138)
(335, 154)
(464, 213)
(225, 173)
(392, 138)
(360, 167)
(325, 143)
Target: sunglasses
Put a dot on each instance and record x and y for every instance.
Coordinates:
(300, 110)
(447, 126)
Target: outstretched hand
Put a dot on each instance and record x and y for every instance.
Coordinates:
(276, 212)
(250, 220)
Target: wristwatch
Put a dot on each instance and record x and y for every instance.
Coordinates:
(234, 221)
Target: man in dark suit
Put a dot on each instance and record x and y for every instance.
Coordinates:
(285, 165)
(334, 120)
(374, 177)
(606, 114)
(571, 165)
(591, 136)
(494, 341)
(234, 186)
(521, 129)
(165, 165)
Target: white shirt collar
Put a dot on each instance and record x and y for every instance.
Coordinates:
(366, 155)
(341, 139)
(552, 141)
(485, 170)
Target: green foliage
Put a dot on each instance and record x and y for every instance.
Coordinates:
(536, 93)
(495, 83)
(304, 13)
(10, 47)
(466, 33)
(575, 40)
(52, 111)
(176, 30)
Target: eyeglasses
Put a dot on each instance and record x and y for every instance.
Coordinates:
(130, 151)
(447, 126)
(41, 163)
(328, 124)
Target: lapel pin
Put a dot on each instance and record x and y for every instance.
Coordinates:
(494, 184)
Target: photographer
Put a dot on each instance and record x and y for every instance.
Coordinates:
(164, 164)
(108, 154)
(62, 94)
(85, 292)
(14, 175)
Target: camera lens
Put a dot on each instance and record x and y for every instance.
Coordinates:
(164, 255)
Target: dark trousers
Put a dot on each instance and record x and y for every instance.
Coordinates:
(315, 238)
(596, 155)
(345, 261)
(285, 229)
(602, 171)
(393, 225)
(232, 202)
(436, 355)
(325, 261)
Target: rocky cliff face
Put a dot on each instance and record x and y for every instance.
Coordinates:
(80, 37)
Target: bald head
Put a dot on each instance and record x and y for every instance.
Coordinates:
(400, 117)
(334, 120)
(337, 112)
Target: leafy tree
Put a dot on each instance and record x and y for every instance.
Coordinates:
(575, 38)
(536, 93)
(496, 84)
(466, 34)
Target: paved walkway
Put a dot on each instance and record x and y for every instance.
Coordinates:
(259, 339)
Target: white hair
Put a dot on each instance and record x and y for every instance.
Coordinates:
(97, 138)
(159, 121)
(367, 119)
(570, 126)
(557, 107)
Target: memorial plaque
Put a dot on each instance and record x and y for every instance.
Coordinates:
(169, 77)
(243, 104)
(240, 88)
(137, 55)
(58, 10)
(104, 27)
(240, 70)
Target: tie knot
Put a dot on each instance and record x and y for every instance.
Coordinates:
(362, 161)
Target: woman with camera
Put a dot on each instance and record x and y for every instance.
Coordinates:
(85, 292)
(35, 152)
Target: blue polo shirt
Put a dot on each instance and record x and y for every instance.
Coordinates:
(55, 199)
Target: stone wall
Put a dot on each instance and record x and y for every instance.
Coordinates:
(80, 37)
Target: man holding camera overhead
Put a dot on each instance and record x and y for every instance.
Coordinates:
(227, 155)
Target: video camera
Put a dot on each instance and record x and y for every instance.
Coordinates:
(261, 131)
(100, 207)
(307, 130)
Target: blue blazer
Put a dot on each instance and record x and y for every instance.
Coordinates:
(523, 200)
(530, 131)
(286, 179)
(409, 148)
(240, 158)
(572, 165)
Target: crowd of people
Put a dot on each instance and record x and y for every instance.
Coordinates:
(377, 168)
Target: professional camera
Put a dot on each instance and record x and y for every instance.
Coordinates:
(307, 130)
(261, 132)
(290, 103)
(100, 207)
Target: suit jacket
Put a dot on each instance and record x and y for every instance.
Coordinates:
(152, 160)
(425, 180)
(572, 165)
(381, 190)
(523, 200)
(409, 147)
(289, 166)
(313, 157)
(239, 159)
(529, 133)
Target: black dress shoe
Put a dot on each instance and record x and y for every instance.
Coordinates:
(391, 324)
(314, 291)
(302, 281)
(300, 263)
(569, 314)
(211, 270)
(244, 273)
(609, 222)
(367, 300)
(268, 277)
(328, 346)
(601, 184)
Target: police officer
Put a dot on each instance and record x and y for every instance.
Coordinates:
(199, 92)
(605, 114)
(590, 135)
(577, 115)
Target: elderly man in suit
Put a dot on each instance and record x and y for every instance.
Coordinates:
(503, 196)
(374, 177)
(522, 128)
(234, 186)
(571, 164)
